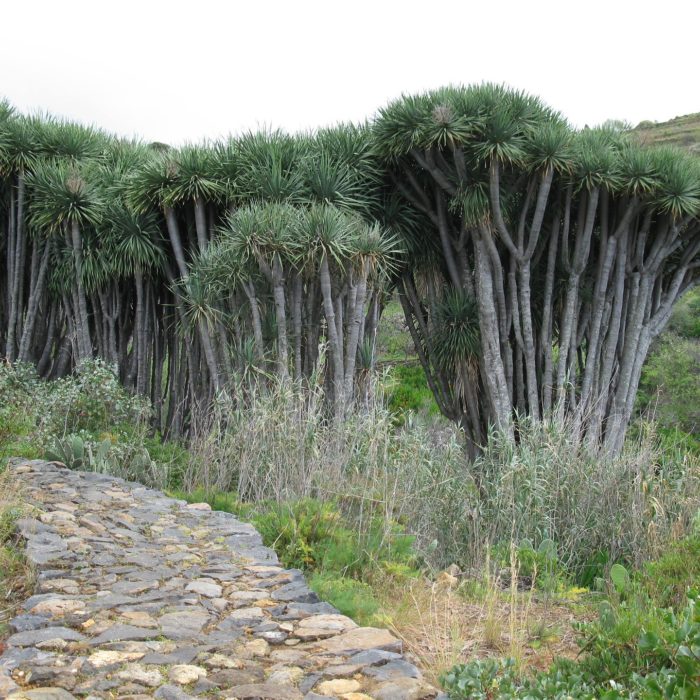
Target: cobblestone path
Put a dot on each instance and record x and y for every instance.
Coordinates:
(140, 596)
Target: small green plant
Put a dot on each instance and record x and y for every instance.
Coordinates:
(535, 566)
(353, 598)
(69, 451)
(668, 579)
(409, 391)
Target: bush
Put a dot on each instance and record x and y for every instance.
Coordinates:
(596, 510)
(668, 579)
(633, 651)
(670, 383)
(409, 392)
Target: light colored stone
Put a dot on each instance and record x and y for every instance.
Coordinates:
(263, 691)
(183, 674)
(139, 618)
(103, 658)
(403, 689)
(258, 647)
(289, 676)
(360, 639)
(64, 585)
(139, 674)
(57, 606)
(41, 694)
(57, 517)
(338, 686)
(206, 587)
(222, 661)
(52, 644)
(198, 506)
(320, 626)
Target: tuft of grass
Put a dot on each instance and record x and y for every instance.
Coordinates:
(16, 576)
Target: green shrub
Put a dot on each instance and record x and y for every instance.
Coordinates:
(634, 651)
(539, 565)
(669, 578)
(670, 383)
(351, 597)
(685, 319)
(409, 391)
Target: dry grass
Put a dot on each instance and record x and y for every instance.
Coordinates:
(16, 576)
(440, 626)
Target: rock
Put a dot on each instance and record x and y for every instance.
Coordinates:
(139, 674)
(263, 691)
(222, 661)
(206, 587)
(360, 639)
(398, 668)
(246, 616)
(296, 592)
(32, 637)
(24, 623)
(288, 676)
(230, 676)
(403, 689)
(57, 607)
(182, 625)
(171, 692)
(138, 618)
(198, 506)
(41, 694)
(52, 644)
(338, 686)
(258, 647)
(320, 626)
(102, 658)
(184, 674)
(119, 633)
(373, 657)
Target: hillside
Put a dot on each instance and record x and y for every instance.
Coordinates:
(681, 131)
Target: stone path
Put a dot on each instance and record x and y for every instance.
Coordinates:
(140, 596)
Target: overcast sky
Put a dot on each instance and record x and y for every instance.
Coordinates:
(181, 71)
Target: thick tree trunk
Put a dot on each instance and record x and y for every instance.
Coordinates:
(33, 305)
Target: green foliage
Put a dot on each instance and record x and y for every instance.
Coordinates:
(669, 578)
(342, 559)
(351, 597)
(670, 383)
(538, 565)
(87, 421)
(685, 320)
(634, 651)
(409, 391)
(315, 535)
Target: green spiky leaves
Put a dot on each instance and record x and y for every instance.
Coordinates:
(64, 194)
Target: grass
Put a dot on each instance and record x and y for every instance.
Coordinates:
(16, 576)
(682, 131)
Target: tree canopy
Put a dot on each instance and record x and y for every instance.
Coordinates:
(535, 263)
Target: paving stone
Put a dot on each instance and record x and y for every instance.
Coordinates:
(265, 691)
(182, 625)
(141, 596)
(32, 637)
(41, 694)
(119, 633)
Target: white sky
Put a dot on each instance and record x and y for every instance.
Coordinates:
(178, 71)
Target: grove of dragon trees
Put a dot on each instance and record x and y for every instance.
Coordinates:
(535, 263)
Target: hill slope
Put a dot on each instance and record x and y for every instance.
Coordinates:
(681, 131)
